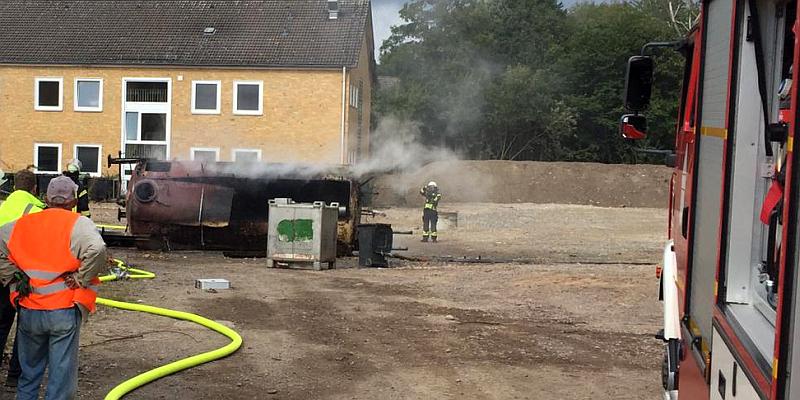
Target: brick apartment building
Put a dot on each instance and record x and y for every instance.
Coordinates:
(270, 80)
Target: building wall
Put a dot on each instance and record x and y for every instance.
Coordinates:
(358, 118)
(301, 119)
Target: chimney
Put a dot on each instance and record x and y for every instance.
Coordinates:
(333, 9)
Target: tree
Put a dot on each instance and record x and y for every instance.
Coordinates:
(594, 57)
(527, 79)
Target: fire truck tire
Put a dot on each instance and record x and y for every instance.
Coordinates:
(669, 366)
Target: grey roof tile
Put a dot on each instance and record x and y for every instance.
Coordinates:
(258, 33)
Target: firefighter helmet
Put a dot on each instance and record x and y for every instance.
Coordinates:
(74, 165)
(432, 183)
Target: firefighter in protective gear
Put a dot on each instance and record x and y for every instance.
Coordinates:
(430, 215)
(59, 253)
(74, 167)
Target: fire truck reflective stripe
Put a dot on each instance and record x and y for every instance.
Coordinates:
(51, 288)
(721, 133)
(774, 368)
(43, 275)
(695, 330)
(789, 143)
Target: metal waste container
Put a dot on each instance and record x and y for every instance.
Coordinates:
(301, 234)
(374, 244)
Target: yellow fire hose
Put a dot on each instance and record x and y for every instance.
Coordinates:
(120, 227)
(142, 379)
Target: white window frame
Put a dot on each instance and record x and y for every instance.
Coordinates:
(214, 149)
(99, 107)
(99, 148)
(260, 110)
(218, 109)
(235, 151)
(36, 147)
(60, 106)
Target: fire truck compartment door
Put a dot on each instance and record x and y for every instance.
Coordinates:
(728, 380)
(709, 168)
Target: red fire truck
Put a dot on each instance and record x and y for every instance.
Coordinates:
(729, 279)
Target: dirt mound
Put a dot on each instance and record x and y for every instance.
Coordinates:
(607, 185)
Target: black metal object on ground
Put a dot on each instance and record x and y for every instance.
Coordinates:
(374, 244)
(116, 238)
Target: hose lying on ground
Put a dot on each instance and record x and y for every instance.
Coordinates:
(120, 227)
(123, 271)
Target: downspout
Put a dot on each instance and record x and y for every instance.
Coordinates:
(344, 109)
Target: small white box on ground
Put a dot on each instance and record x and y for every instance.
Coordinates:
(212, 284)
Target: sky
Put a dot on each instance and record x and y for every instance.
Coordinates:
(385, 13)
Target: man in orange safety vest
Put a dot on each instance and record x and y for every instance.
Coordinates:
(52, 259)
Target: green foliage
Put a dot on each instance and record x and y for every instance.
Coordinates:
(527, 79)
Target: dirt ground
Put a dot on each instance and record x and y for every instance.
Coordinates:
(573, 320)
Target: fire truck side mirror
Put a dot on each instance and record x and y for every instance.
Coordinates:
(633, 126)
(638, 83)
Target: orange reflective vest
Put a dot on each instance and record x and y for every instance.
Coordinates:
(40, 247)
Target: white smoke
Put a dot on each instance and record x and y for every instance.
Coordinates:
(397, 150)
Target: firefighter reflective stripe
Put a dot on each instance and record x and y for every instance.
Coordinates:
(429, 205)
(42, 275)
(434, 234)
(83, 193)
(50, 289)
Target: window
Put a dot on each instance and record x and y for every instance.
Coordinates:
(355, 95)
(248, 97)
(89, 155)
(154, 127)
(205, 154)
(206, 97)
(47, 158)
(246, 155)
(88, 95)
(146, 92)
(48, 94)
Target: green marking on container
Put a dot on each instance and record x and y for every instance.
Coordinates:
(303, 230)
(296, 230)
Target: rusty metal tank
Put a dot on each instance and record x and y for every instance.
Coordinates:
(224, 206)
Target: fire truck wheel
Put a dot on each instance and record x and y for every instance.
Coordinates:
(669, 367)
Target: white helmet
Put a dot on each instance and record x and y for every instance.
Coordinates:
(432, 183)
(74, 165)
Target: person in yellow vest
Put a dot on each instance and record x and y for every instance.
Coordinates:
(22, 201)
(52, 259)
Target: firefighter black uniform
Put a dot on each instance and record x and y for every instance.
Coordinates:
(74, 172)
(430, 215)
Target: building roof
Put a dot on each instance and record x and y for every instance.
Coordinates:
(256, 33)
